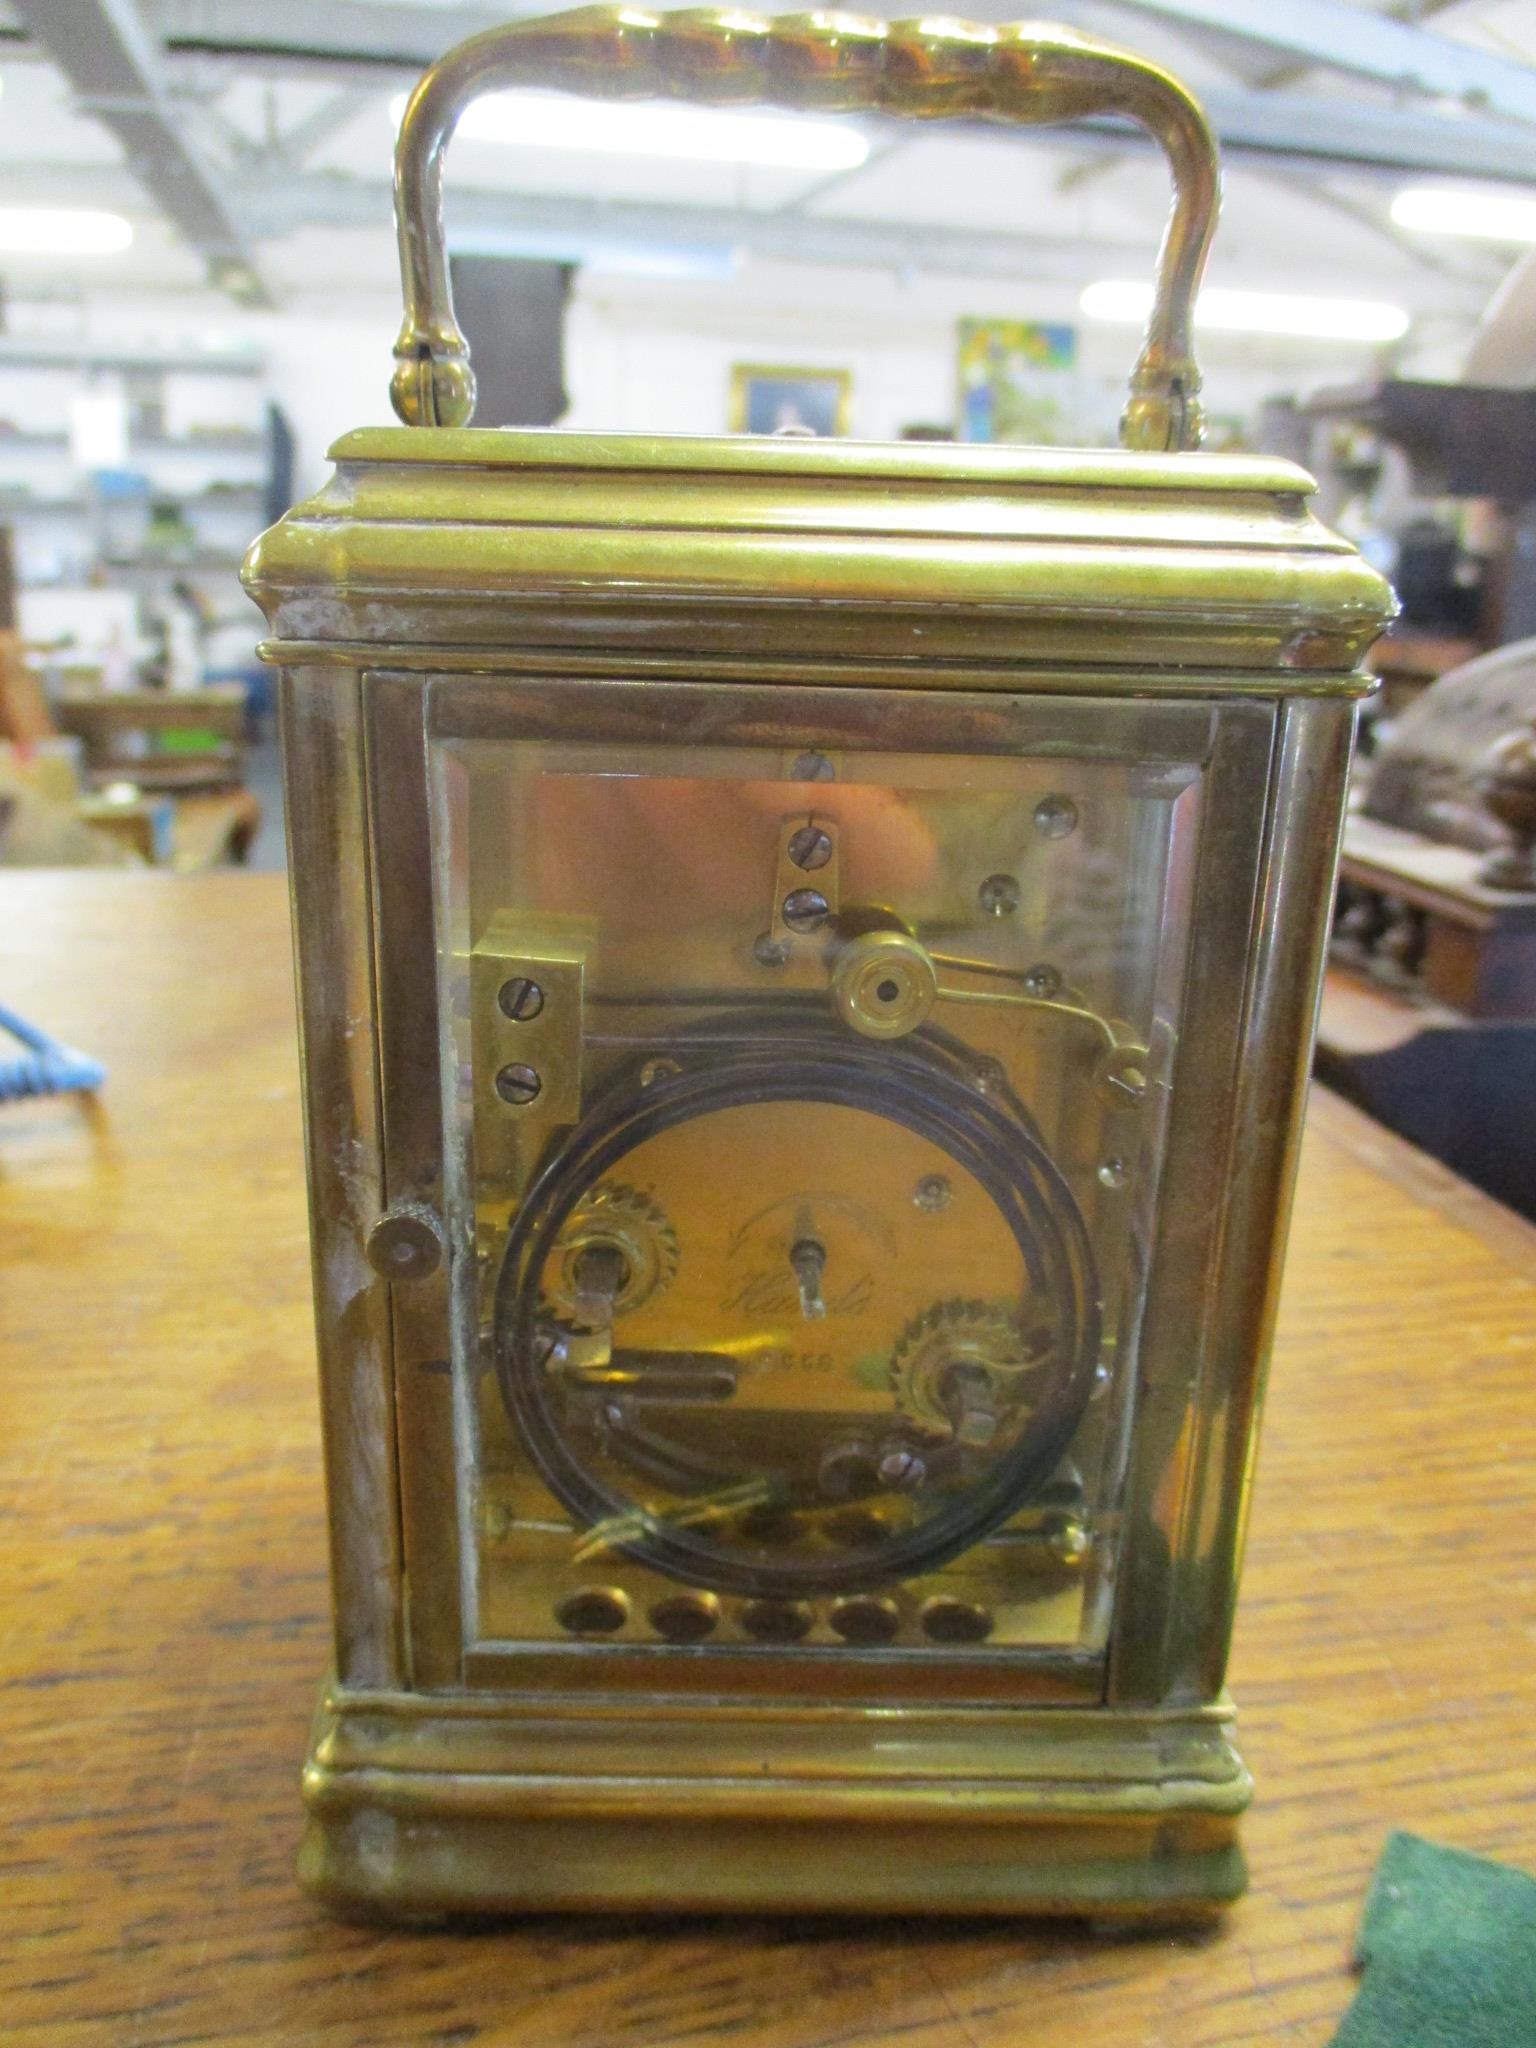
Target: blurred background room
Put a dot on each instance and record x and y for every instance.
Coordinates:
(198, 292)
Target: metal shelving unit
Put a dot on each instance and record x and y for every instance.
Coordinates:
(183, 504)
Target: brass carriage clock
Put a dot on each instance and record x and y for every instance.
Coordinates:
(807, 958)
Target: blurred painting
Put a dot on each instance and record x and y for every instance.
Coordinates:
(768, 400)
(1018, 381)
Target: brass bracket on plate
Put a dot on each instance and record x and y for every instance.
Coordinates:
(805, 884)
(526, 988)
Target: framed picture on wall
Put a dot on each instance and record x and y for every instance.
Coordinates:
(769, 399)
(1017, 381)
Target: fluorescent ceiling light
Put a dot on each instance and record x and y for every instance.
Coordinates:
(62, 231)
(555, 120)
(1443, 210)
(1243, 312)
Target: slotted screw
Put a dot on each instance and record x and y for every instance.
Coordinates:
(806, 910)
(810, 847)
(518, 1084)
(521, 999)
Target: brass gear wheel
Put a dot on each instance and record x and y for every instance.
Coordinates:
(958, 1367)
(616, 1219)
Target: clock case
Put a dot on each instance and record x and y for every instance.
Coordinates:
(975, 601)
(1141, 626)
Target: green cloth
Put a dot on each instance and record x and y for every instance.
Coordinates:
(1448, 1946)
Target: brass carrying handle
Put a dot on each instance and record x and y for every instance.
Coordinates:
(923, 70)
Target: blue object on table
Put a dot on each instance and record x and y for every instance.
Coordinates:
(46, 1067)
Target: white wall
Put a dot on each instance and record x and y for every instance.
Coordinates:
(329, 372)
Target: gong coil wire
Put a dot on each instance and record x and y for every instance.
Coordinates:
(925, 1086)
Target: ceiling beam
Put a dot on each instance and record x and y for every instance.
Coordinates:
(399, 38)
(299, 141)
(1290, 71)
(114, 71)
(362, 42)
(1306, 128)
(1362, 44)
(552, 225)
(349, 41)
(351, 37)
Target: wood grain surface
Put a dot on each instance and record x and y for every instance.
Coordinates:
(165, 1609)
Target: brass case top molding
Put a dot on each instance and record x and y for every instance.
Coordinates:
(428, 540)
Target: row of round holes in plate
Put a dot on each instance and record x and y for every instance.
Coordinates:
(862, 1619)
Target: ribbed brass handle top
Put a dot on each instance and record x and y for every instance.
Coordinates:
(922, 70)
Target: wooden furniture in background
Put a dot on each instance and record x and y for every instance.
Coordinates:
(1407, 660)
(1429, 1015)
(141, 823)
(1419, 913)
(214, 828)
(167, 1607)
(103, 719)
(217, 818)
(209, 826)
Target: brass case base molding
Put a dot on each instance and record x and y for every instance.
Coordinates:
(422, 1809)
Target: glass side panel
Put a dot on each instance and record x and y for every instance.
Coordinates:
(806, 1117)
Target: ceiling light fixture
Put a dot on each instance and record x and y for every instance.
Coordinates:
(1486, 216)
(553, 120)
(1248, 312)
(62, 231)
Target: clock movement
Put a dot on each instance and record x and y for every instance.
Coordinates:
(807, 958)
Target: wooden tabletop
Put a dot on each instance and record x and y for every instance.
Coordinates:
(164, 1602)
